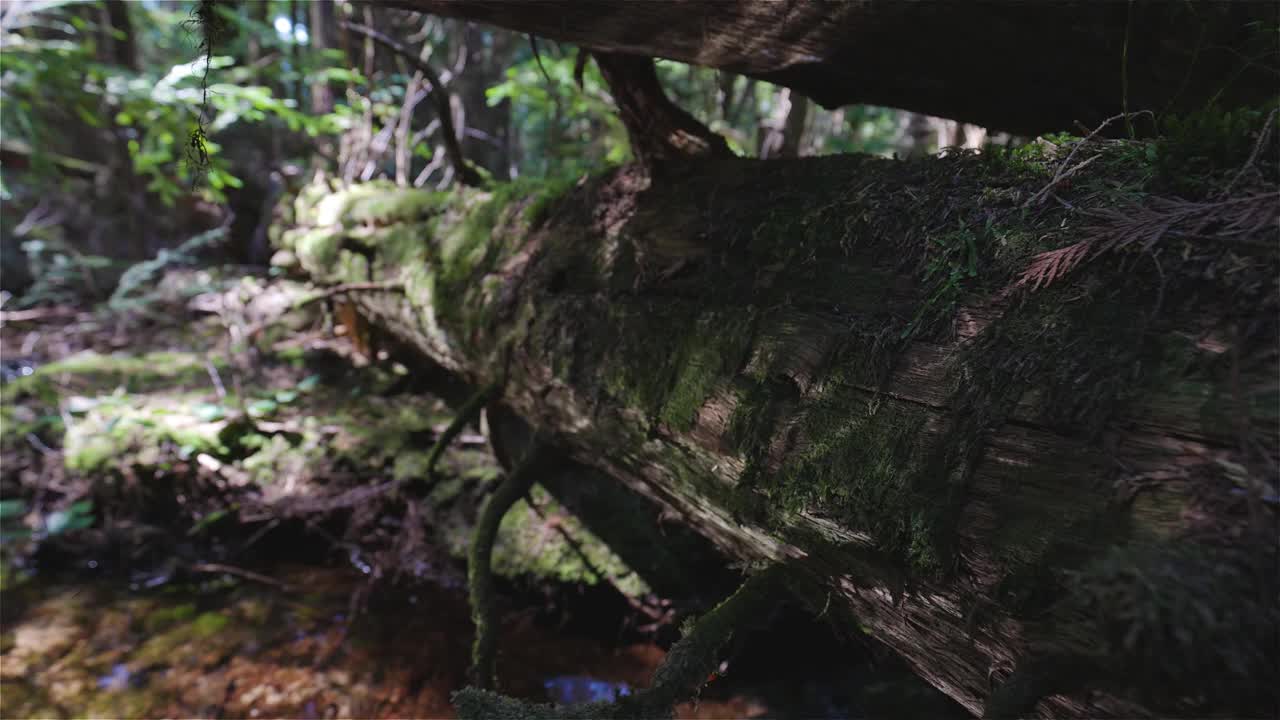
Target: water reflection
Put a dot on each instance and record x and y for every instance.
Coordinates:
(116, 680)
(570, 689)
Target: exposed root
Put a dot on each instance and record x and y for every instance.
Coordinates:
(479, 563)
(680, 677)
(465, 414)
(221, 569)
(660, 131)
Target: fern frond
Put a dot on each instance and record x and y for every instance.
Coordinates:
(1051, 265)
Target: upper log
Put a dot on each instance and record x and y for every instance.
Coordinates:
(1050, 492)
(1023, 67)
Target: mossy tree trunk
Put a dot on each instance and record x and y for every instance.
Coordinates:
(823, 362)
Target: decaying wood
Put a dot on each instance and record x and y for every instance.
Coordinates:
(1017, 66)
(745, 347)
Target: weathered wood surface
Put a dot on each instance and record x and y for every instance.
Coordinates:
(1025, 67)
(753, 347)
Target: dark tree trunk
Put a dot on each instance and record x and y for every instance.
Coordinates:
(124, 51)
(487, 135)
(322, 27)
(1051, 495)
(661, 132)
(1022, 67)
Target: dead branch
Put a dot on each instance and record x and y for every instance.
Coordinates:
(466, 173)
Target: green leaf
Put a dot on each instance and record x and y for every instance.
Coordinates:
(12, 508)
(258, 408)
(309, 383)
(210, 519)
(79, 405)
(284, 397)
(208, 412)
(56, 522)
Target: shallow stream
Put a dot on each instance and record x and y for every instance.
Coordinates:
(232, 647)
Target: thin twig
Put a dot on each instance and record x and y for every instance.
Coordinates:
(217, 380)
(38, 444)
(328, 292)
(323, 293)
(219, 568)
(59, 311)
(1062, 174)
(465, 413)
(1063, 169)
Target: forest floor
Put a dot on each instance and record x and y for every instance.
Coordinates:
(218, 507)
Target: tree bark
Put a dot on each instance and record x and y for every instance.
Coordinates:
(124, 51)
(1026, 68)
(830, 362)
(321, 28)
(661, 132)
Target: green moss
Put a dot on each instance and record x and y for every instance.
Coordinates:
(123, 704)
(547, 194)
(164, 617)
(868, 469)
(208, 631)
(140, 430)
(410, 465)
(317, 248)
(712, 353)
(668, 360)
(88, 371)
(352, 266)
(384, 204)
(209, 624)
(528, 544)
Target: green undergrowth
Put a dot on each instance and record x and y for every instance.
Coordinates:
(1184, 628)
(128, 371)
(1190, 616)
(302, 434)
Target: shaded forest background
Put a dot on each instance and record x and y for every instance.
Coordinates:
(995, 411)
(101, 99)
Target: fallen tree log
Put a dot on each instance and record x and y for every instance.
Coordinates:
(1031, 447)
(1022, 67)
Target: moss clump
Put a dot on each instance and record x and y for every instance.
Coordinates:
(867, 467)
(380, 204)
(531, 543)
(668, 360)
(317, 248)
(88, 371)
(471, 247)
(164, 617)
(714, 351)
(141, 430)
(209, 624)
